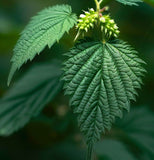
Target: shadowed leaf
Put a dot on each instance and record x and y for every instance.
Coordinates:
(29, 96)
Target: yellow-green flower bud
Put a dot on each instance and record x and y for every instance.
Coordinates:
(91, 18)
(87, 20)
(108, 26)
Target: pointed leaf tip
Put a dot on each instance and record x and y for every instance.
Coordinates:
(101, 79)
(47, 27)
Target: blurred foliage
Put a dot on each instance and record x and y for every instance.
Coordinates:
(138, 130)
(151, 2)
(119, 151)
(54, 133)
(29, 96)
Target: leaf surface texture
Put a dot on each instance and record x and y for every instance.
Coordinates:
(101, 79)
(44, 29)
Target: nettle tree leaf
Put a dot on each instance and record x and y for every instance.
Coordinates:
(139, 129)
(101, 79)
(44, 29)
(129, 2)
(110, 149)
(29, 96)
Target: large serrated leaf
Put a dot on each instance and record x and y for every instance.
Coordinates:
(101, 80)
(129, 2)
(29, 96)
(44, 29)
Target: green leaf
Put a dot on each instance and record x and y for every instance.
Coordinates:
(129, 2)
(29, 96)
(44, 29)
(112, 150)
(101, 79)
(139, 128)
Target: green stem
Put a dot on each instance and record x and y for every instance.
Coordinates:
(90, 152)
(98, 3)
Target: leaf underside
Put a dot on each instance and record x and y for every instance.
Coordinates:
(29, 96)
(101, 79)
(129, 2)
(44, 29)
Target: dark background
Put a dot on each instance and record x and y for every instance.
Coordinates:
(54, 134)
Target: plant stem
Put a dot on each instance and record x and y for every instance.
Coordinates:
(90, 152)
(98, 4)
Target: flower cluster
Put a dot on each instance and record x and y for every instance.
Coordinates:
(91, 18)
(87, 20)
(108, 26)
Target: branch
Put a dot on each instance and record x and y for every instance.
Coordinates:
(98, 4)
(100, 1)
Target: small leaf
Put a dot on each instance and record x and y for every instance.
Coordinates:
(29, 96)
(113, 150)
(129, 2)
(101, 79)
(44, 29)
